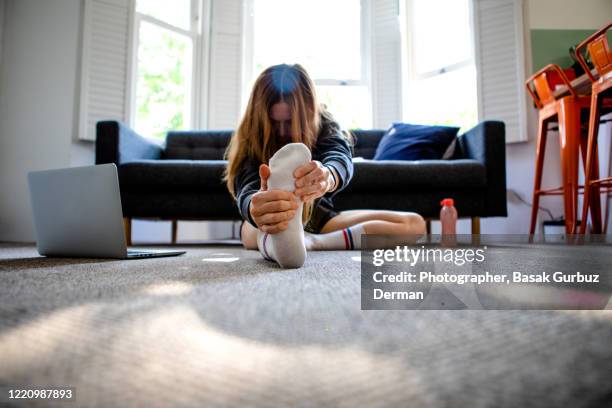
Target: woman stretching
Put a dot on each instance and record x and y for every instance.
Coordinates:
(286, 161)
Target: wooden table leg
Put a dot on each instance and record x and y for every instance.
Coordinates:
(174, 231)
(475, 225)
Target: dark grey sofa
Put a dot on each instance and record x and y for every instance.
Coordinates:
(182, 179)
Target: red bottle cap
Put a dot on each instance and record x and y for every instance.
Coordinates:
(447, 202)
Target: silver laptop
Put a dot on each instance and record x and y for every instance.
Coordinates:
(77, 213)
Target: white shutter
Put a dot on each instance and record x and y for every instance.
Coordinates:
(226, 50)
(499, 52)
(105, 63)
(386, 63)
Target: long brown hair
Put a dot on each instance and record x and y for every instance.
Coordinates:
(255, 137)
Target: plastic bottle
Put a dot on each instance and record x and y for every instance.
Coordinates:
(448, 219)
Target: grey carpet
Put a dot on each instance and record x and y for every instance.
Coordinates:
(188, 331)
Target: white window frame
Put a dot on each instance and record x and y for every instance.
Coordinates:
(199, 49)
(410, 31)
(409, 60)
(366, 54)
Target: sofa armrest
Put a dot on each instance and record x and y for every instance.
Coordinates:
(117, 143)
(486, 143)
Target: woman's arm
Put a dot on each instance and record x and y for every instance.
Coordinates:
(246, 183)
(331, 167)
(333, 150)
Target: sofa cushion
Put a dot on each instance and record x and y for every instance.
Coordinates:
(398, 175)
(369, 175)
(197, 145)
(186, 204)
(173, 174)
(404, 141)
(366, 142)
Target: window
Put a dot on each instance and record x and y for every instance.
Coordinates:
(441, 85)
(164, 67)
(328, 38)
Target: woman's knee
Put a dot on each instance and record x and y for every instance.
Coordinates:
(415, 224)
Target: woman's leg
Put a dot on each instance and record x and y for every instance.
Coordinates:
(344, 231)
(248, 235)
(380, 222)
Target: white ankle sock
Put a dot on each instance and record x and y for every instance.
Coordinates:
(287, 247)
(348, 239)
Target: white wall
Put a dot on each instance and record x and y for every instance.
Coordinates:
(39, 80)
(37, 102)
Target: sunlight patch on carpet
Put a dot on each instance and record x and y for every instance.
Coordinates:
(224, 259)
(168, 289)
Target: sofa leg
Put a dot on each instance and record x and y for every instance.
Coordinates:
(174, 231)
(475, 225)
(127, 227)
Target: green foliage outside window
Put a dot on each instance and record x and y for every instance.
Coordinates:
(163, 65)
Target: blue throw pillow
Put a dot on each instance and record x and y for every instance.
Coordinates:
(404, 141)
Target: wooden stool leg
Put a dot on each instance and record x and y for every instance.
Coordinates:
(584, 148)
(569, 140)
(475, 225)
(174, 230)
(595, 201)
(127, 227)
(606, 213)
(539, 164)
(591, 193)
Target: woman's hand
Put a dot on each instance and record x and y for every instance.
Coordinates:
(272, 210)
(313, 180)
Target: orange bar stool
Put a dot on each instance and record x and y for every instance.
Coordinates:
(599, 51)
(556, 105)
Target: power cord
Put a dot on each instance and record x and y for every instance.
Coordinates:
(522, 200)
